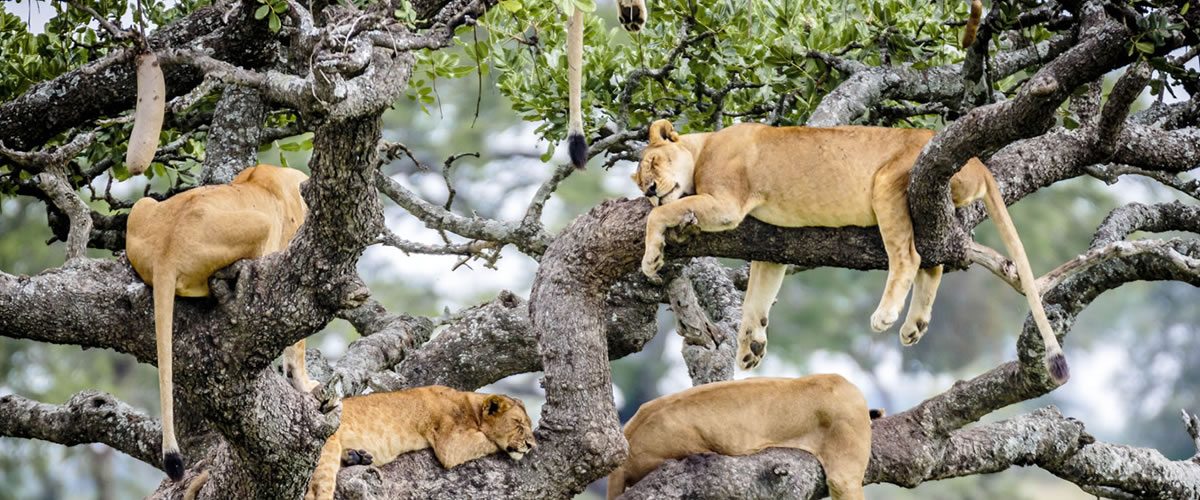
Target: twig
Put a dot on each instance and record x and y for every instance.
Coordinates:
(1192, 424)
(998, 264)
(113, 29)
(1111, 172)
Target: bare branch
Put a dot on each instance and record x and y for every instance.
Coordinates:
(1161, 217)
(88, 417)
(112, 29)
(1115, 250)
(1191, 423)
(995, 262)
(386, 340)
(475, 227)
(54, 182)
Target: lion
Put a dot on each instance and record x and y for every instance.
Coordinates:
(816, 176)
(175, 245)
(824, 415)
(460, 426)
(633, 15)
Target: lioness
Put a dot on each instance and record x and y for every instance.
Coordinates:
(177, 244)
(802, 176)
(822, 414)
(459, 426)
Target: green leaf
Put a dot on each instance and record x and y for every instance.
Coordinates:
(585, 5)
(510, 5)
(274, 23)
(262, 12)
(1144, 47)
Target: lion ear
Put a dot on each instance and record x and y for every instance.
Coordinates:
(495, 404)
(662, 131)
(637, 179)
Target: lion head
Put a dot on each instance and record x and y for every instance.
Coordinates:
(665, 172)
(506, 424)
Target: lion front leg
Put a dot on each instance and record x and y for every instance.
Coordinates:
(711, 214)
(921, 309)
(765, 280)
(889, 200)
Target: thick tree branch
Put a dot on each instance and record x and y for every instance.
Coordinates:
(993, 126)
(386, 340)
(88, 417)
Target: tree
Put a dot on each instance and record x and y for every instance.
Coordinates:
(245, 74)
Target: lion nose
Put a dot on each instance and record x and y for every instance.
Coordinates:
(652, 190)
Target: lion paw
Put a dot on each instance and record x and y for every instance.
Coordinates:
(329, 395)
(751, 349)
(356, 457)
(912, 331)
(882, 320)
(651, 263)
(632, 14)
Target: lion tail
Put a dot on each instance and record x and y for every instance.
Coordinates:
(972, 23)
(164, 316)
(576, 145)
(1056, 363)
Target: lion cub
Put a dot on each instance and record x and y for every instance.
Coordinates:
(459, 426)
(175, 245)
(824, 415)
(816, 176)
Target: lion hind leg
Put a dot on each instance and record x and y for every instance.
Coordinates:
(844, 456)
(616, 483)
(889, 200)
(711, 213)
(765, 280)
(921, 309)
(324, 478)
(294, 370)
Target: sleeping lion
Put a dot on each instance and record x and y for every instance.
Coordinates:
(824, 415)
(822, 176)
(459, 426)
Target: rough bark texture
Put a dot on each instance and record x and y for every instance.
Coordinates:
(259, 438)
(238, 121)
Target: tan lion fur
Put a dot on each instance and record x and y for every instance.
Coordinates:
(825, 176)
(459, 426)
(824, 415)
(175, 245)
